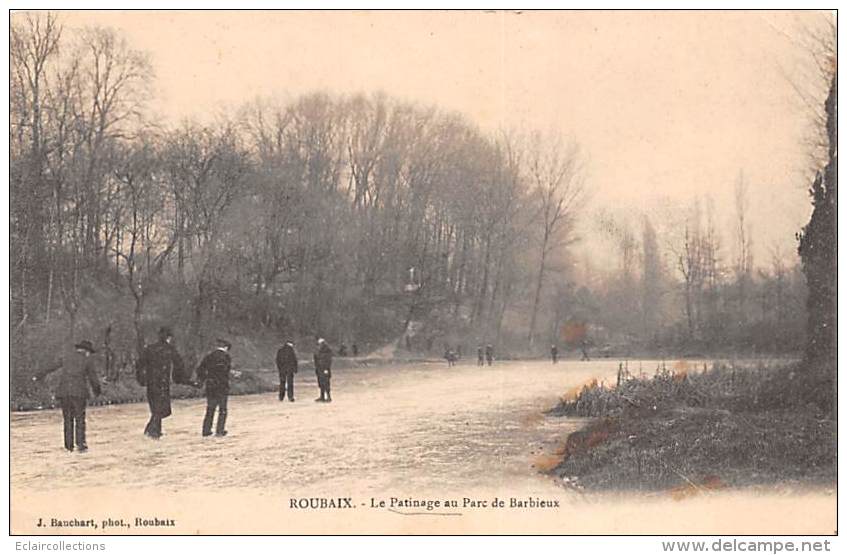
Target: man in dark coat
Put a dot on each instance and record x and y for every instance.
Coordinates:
(554, 354)
(480, 356)
(72, 392)
(286, 363)
(214, 371)
(489, 354)
(323, 370)
(157, 365)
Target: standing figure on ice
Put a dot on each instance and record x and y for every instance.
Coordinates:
(286, 363)
(72, 392)
(489, 354)
(450, 357)
(158, 364)
(584, 348)
(214, 371)
(323, 370)
(554, 354)
(480, 356)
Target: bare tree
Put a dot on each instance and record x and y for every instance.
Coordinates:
(554, 174)
(651, 279)
(34, 42)
(712, 273)
(743, 264)
(689, 260)
(144, 245)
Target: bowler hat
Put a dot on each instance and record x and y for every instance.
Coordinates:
(85, 345)
(224, 343)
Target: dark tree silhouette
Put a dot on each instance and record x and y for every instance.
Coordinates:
(818, 246)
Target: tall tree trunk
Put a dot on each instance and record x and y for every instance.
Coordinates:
(502, 312)
(136, 323)
(538, 285)
(482, 292)
(72, 322)
(49, 295)
(689, 310)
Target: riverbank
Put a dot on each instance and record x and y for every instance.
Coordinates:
(39, 395)
(688, 431)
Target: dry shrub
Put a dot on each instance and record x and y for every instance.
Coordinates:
(719, 387)
(699, 431)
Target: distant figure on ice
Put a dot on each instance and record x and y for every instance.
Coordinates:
(489, 354)
(214, 372)
(72, 392)
(583, 346)
(355, 349)
(158, 364)
(286, 363)
(450, 357)
(342, 350)
(480, 356)
(554, 354)
(323, 370)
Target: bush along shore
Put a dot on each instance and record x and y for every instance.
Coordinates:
(690, 429)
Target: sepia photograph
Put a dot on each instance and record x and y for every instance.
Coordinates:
(423, 272)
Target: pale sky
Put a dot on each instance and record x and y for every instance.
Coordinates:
(664, 104)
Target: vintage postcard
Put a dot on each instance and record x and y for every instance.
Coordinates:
(422, 272)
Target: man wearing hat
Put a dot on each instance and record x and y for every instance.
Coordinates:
(286, 363)
(157, 365)
(323, 369)
(72, 392)
(214, 371)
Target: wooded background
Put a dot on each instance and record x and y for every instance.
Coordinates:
(361, 218)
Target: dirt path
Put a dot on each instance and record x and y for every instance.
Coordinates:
(419, 432)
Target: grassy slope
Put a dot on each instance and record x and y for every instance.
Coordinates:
(722, 427)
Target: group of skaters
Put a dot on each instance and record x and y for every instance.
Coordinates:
(483, 355)
(159, 365)
(286, 363)
(486, 355)
(583, 347)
